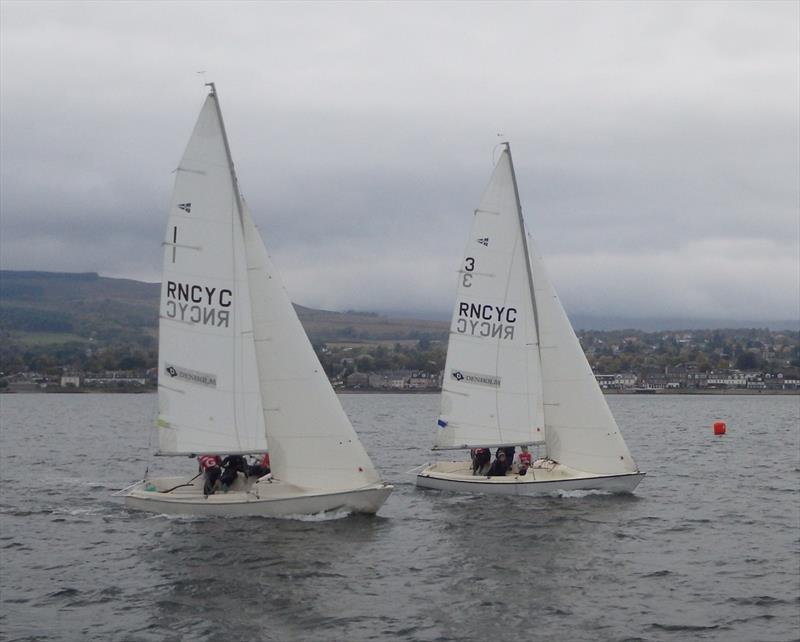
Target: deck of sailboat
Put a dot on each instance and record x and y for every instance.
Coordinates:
(457, 476)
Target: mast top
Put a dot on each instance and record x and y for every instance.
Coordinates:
(503, 143)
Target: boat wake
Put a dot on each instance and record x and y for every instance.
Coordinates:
(76, 512)
(176, 517)
(579, 494)
(324, 516)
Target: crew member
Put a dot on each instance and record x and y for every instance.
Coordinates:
(210, 466)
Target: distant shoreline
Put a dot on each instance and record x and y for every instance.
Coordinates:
(699, 391)
(370, 391)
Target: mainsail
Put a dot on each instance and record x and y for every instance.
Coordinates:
(209, 398)
(491, 393)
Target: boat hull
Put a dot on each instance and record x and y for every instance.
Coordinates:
(262, 499)
(535, 482)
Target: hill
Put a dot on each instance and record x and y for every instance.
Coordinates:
(84, 322)
(56, 307)
(53, 307)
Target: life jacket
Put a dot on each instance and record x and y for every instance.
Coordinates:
(265, 460)
(209, 461)
(525, 459)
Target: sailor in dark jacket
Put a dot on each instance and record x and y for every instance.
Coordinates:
(232, 465)
(499, 465)
(480, 460)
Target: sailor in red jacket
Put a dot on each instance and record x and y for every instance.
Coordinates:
(523, 461)
(210, 465)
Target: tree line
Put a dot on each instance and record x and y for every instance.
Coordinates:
(608, 352)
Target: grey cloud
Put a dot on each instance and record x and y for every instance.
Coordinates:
(651, 134)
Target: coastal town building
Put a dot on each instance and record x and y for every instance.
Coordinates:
(404, 380)
(117, 378)
(71, 380)
(620, 381)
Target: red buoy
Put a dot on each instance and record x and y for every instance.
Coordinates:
(719, 427)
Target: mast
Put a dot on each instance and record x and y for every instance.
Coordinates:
(530, 275)
(239, 209)
(524, 243)
(213, 94)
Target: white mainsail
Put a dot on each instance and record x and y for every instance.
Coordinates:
(527, 381)
(312, 443)
(209, 398)
(491, 393)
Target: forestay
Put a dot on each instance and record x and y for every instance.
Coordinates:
(491, 393)
(209, 399)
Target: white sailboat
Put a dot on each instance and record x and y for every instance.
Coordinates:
(515, 372)
(237, 374)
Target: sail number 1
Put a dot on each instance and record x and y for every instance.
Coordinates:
(469, 266)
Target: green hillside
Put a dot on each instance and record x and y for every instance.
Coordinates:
(88, 313)
(51, 307)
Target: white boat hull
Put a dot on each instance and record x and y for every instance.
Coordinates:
(261, 499)
(456, 477)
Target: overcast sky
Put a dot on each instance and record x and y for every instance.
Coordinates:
(657, 146)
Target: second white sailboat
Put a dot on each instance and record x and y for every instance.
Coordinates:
(515, 373)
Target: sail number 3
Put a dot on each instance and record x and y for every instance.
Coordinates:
(469, 267)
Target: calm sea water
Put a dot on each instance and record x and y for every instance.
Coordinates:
(707, 549)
